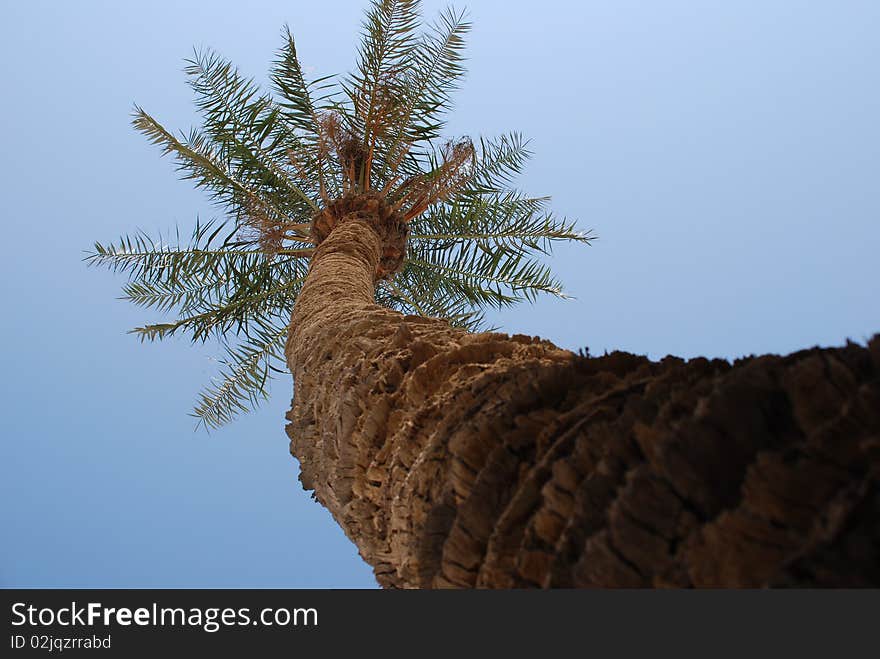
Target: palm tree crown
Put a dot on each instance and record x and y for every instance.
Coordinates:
(281, 164)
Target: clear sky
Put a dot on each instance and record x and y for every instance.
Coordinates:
(727, 154)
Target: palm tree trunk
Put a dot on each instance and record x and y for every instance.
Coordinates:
(485, 460)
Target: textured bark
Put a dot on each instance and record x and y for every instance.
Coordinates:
(485, 460)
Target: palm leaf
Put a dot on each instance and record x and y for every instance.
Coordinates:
(249, 133)
(244, 376)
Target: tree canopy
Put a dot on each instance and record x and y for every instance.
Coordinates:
(272, 160)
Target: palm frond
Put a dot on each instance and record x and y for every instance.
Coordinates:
(249, 133)
(496, 277)
(168, 275)
(511, 220)
(434, 72)
(387, 44)
(412, 293)
(244, 376)
(202, 163)
(254, 300)
(302, 111)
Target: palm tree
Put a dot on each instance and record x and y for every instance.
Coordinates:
(457, 458)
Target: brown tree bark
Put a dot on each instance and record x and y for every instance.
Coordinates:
(485, 460)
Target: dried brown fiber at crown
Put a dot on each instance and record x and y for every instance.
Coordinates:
(371, 207)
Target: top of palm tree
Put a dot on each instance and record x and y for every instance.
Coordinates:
(279, 163)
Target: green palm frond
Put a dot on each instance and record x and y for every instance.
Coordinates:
(496, 277)
(143, 257)
(202, 162)
(511, 220)
(436, 72)
(253, 301)
(296, 103)
(263, 288)
(273, 160)
(499, 162)
(411, 292)
(249, 133)
(376, 88)
(301, 110)
(215, 284)
(244, 376)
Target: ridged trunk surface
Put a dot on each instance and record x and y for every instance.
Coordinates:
(485, 460)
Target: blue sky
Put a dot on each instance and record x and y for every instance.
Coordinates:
(726, 153)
